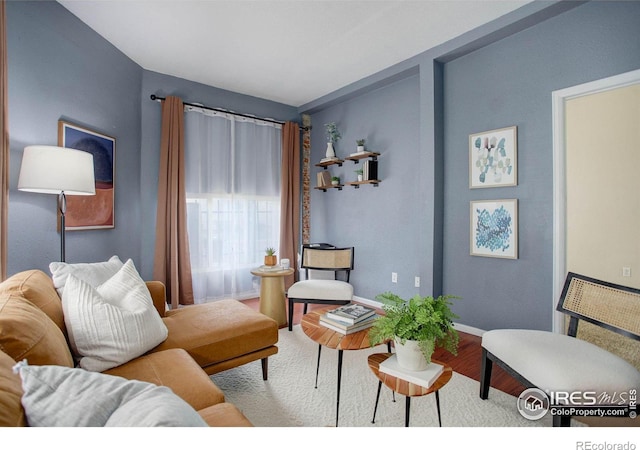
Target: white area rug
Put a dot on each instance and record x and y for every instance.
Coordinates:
(288, 397)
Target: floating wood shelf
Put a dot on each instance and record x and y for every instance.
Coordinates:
(356, 184)
(326, 164)
(324, 188)
(358, 157)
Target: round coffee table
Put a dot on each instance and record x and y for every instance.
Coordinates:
(332, 339)
(404, 387)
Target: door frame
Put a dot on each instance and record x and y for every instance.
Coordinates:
(559, 99)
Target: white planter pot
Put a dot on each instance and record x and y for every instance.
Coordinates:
(330, 151)
(360, 148)
(359, 177)
(410, 356)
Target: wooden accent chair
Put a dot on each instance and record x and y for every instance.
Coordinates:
(555, 362)
(322, 258)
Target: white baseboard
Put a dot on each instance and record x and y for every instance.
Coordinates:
(458, 326)
(469, 330)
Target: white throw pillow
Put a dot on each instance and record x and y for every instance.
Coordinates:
(113, 323)
(56, 396)
(92, 273)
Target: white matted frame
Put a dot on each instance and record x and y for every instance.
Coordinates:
(494, 228)
(493, 158)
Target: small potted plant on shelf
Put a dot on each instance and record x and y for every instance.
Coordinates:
(360, 145)
(333, 136)
(417, 327)
(335, 181)
(359, 174)
(270, 258)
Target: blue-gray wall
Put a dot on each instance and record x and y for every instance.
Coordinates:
(380, 222)
(191, 92)
(511, 83)
(499, 75)
(61, 69)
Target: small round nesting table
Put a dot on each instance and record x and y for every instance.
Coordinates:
(405, 387)
(272, 297)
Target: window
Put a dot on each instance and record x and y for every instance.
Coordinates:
(233, 200)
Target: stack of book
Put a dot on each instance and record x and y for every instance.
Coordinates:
(349, 318)
(423, 378)
(370, 170)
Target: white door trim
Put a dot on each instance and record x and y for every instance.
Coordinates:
(559, 98)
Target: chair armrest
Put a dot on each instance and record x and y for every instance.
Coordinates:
(158, 295)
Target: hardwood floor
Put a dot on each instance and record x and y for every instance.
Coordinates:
(467, 362)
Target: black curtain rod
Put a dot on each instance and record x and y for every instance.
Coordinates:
(156, 98)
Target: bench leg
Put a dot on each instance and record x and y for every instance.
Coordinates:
(265, 368)
(290, 314)
(485, 375)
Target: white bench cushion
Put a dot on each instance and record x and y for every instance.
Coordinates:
(321, 290)
(557, 362)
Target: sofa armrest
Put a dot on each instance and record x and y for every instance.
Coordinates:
(158, 295)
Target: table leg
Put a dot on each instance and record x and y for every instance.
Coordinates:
(393, 393)
(375, 408)
(318, 365)
(339, 380)
(438, 406)
(406, 411)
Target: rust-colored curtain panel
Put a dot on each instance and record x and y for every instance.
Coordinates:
(172, 265)
(4, 143)
(290, 196)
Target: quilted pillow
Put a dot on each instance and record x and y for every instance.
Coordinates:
(112, 323)
(92, 273)
(64, 397)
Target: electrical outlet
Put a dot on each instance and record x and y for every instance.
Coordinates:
(626, 271)
(394, 277)
(417, 282)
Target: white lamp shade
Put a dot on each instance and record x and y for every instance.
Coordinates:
(52, 170)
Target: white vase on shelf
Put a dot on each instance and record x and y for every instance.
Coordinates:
(330, 151)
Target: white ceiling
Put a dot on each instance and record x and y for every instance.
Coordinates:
(289, 51)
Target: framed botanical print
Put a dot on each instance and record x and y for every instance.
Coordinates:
(92, 211)
(493, 158)
(494, 228)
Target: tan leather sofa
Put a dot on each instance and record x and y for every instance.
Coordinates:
(202, 340)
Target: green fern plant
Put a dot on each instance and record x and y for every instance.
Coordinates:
(427, 320)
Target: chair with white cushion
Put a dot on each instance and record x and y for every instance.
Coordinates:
(555, 362)
(328, 260)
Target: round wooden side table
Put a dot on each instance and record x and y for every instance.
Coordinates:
(404, 387)
(272, 296)
(332, 339)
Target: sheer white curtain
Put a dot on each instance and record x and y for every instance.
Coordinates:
(233, 200)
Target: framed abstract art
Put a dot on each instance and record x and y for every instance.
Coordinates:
(92, 211)
(493, 158)
(494, 228)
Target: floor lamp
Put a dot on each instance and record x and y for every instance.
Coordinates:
(57, 170)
